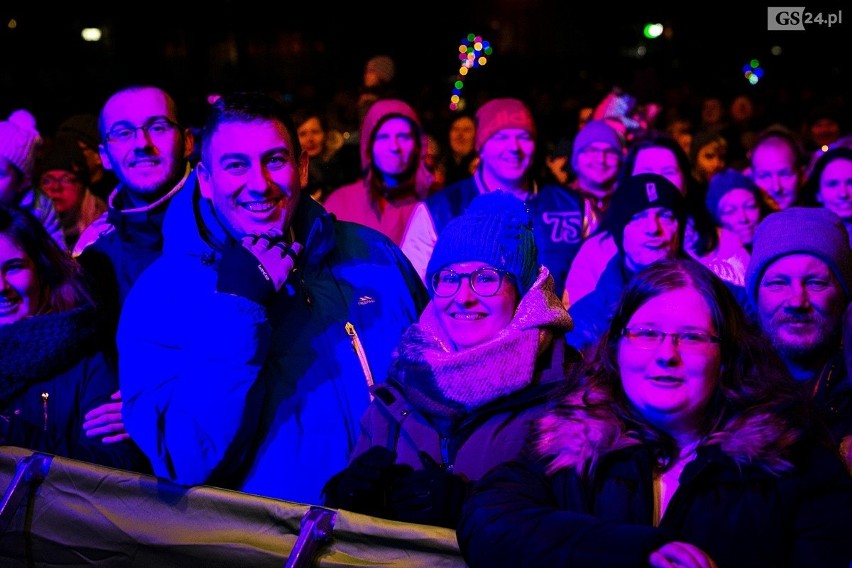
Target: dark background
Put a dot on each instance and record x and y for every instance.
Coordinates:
(546, 51)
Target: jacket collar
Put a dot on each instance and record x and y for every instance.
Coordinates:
(191, 227)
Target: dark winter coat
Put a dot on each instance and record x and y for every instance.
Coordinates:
(731, 503)
(51, 374)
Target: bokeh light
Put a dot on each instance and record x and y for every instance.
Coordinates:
(753, 72)
(473, 53)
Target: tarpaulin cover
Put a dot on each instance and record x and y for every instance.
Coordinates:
(82, 514)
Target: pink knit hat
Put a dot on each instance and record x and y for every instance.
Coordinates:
(498, 114)
(19, 141)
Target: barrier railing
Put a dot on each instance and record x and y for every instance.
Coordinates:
(61, 512)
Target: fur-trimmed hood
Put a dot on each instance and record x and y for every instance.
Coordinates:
(584, 428)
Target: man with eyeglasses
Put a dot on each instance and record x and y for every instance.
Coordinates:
(145, 146)
(595, 160)
(800, 281)
(505, 144)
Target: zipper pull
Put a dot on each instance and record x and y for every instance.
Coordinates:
(445, 454)
(44, 397)
(308, 300)
(362, 355)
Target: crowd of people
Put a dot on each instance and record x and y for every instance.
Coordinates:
(636, 354)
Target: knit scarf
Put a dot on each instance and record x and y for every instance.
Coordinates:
(446, 384)
(38, 348)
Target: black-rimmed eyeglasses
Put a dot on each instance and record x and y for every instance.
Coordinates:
(485, 281)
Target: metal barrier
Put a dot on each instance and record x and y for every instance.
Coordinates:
(28, 472)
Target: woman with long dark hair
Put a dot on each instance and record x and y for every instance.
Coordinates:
(52, 367)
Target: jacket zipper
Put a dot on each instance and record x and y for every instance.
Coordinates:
(362, 356)
(445, 454)
(44, 397)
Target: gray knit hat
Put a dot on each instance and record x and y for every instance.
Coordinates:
(595, 131)
(497, 229)
(809, 230)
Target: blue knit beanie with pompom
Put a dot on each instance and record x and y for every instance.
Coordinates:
(496, 228)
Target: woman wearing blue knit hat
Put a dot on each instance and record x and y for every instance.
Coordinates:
(467, 378)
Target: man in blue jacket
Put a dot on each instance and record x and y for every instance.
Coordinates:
(247, 349)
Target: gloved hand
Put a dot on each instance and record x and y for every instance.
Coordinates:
(257, 267)
(363, 485)
(428, 496)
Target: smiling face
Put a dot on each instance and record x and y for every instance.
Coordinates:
(597, 167)
(835, 188)
(800, 304)
(470, 319)
(739, 212)
(19, 285)
(671, 385)
(774, 170)
(506, 157)
(149, 164)
(250, 174)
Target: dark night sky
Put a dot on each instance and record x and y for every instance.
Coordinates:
(539, 45)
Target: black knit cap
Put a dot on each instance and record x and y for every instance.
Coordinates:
(63, 153)
(638, 193)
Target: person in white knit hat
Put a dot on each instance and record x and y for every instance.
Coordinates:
(19, 142)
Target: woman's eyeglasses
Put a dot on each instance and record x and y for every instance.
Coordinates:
(644, 338)
(484, 281)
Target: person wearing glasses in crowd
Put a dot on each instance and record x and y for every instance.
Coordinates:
(682, 443)
(63, 175)
(506, 146)
(596, 158)
(252, 370)
(146, 147)
(468, 378)
(716, 247)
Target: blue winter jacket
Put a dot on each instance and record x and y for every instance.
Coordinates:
(223, 391)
